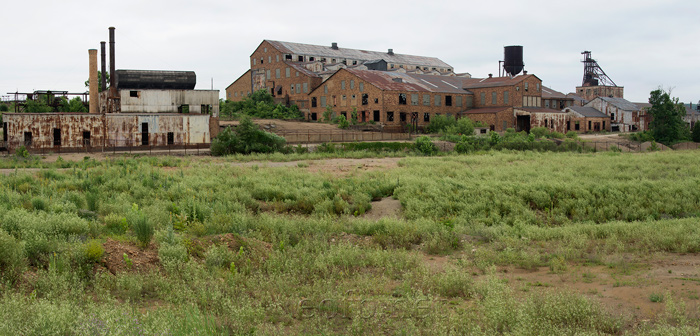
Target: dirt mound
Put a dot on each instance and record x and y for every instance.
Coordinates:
(645, 146)
(686, 145)
(386, 207)
(136, 260)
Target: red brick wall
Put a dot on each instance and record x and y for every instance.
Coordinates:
(239, 89)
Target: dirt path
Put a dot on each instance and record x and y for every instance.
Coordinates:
(336, 167)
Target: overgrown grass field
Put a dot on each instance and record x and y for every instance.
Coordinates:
(200, 246)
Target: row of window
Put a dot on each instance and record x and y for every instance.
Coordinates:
(239, 94)
(437, 100)
(494, 98)
(287, 73)
(323, 100)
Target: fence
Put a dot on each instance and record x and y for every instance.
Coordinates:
(312, 136)
(92, 146)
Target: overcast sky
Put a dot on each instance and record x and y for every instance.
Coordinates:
(640, 44)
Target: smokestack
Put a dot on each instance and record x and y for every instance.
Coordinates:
(390, 52)
(112, 77)
(334, 45)
(104, 65)
(93, 80)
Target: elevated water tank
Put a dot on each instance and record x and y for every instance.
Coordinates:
(155, 79)
(513, 60)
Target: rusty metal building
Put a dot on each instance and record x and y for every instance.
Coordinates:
(140, 108)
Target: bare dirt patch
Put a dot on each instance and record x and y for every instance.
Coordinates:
(342, 167)
(142, 260)
(386, 207)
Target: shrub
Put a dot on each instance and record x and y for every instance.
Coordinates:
(343, 122)
(425, 145)
(353, 116)
(22, 152)
(328, 114)
(142, 226)
(116, 223)
(12, 260)
(453, 283)
(440, 123)
(218, 256)
(245, 139)
(539, 132)
(571, 134)
(93, 251)
(556, 135)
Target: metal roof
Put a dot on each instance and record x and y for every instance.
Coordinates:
(588, 112)
(548, 93)
(355, 54)
(538, 110)
(621, 103)
(475, 83)
(302, 69)
(395, 81)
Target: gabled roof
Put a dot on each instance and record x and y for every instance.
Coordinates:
(588, 112)
(394, 81)
(302, 69)
(621, 103)
(475, 83)
(243, 75)
(548, 93)
(355, 54)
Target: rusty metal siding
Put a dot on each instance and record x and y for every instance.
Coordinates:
(41, 125)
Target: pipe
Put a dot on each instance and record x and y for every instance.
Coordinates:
(104, 66)
(93, 80)
(112, 77)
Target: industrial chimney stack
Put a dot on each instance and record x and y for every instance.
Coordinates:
(112, 76)
(103, 60)
(93, 81)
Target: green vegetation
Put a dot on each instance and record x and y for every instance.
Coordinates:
(246, 138)
(259, 104)
(74, 105)
(695, 136)
(667, 125)
(269, 250)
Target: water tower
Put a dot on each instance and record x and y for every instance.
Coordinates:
(512, 60)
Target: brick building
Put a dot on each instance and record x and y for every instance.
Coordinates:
(394, 99)
(555, 100)
(240, 88)
(587, 119)
(624, 115)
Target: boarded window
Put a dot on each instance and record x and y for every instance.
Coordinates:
(448, 100)
(269, 59)
(323, 101)
(470, 101)
(426, 100)
(325, 89)
(483, 98)
(458, 103)
(306, 87)
(414, 99)
(287, 72)
(389, 116)
(362, 86)
(277, 73)
(438, 100)
(342, 85)
(505, 98)
(267, 74)
(298, 88)
(278, 57)
(352, 84)
(254, 61)
(494, 98)
(297, 73)
(402, 99)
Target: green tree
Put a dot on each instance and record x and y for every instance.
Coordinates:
(74, 105)
(246, 138)
(99, 81)
(37, 106)
(259, 104)
(667, 125)
(328, 114)
(696, 132)
(353, 116)
(343, 122)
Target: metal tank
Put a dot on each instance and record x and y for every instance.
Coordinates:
(513, 59)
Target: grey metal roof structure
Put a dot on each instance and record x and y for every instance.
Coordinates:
(396, 81)
(550, 93)
(356, 54)
(621, 103)
(588, 112)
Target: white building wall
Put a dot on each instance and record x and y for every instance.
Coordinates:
(168, 101)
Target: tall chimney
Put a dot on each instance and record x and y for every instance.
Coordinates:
(93, 80)
(112, 77)
(104, 66)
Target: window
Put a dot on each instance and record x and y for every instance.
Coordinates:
(376, 100)
(325, 88)
(545, 123)
(183, 109)
(144, 134)
(306, 87)
(365, 98)
(134, 94)
(526, 86)
(389, 116)
(311, 58)
(589, 125)
(206, 109)
(470, 101)
(448, 100)
(354, 62)
(505, 125)
(254, 61)
(546, 103)
(171, 138)
(362, 87)
(267, 74)
(265, 49)
(278, 57)
(376, 115)
(313, 101)
(344, 114)
(483, 98)
(323, 101)
(538, 87)
(269, 59)
(438, 100)
(27, 139)
(287, 72)
(56, 136)
(342, 85)
(314, 116)
(344, 97)
(402, 99)
(414, 99)
(298, 88)
(297, 73)
(505, 98)
(426, 117)
(426, 100)
(577, 126)
(86, 138)
(604, 125)
(291, 88)
(288, 57)
(402, 116)
(352, 84)
(300, 58)
(459, 101)
(262, 61)
(277, 73)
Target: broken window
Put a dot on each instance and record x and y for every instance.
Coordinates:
(4, 131)
(134, 94)
(426, 117)
(448, 100)
(483, 98)
(313, 101)
(426, 100)
(526, 86)
(206, 109)
(365, 98)
(438, 100)
(376, 100)
(376, 116)
(390, 116)
(288, 57)
(402, 99)
(86, 138)
(144, 133)
(262, 61)
(183, 109)
(494, 98)
(545, 123)
(354, 62)
(311, 58)
(27, 139)
(56, 136)
(589, 125)
(402, 116)
(577, 126)
(546, 103)
(171, 138)
(300, 58)
(344, 114)
(414, 99)
(314, 117)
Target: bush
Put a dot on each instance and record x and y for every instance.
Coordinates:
(571, 134)
(142, 226)
(116, 224)
(218, 256)
(556, 135)
(696, 132)
(440, 123)
(12, 260)
(343, 122)
(22, 152)
(94, 251)
(245, 139)
(472, 143)
(425, 146)
(259, 104)
(539, 132)
(463, 126)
